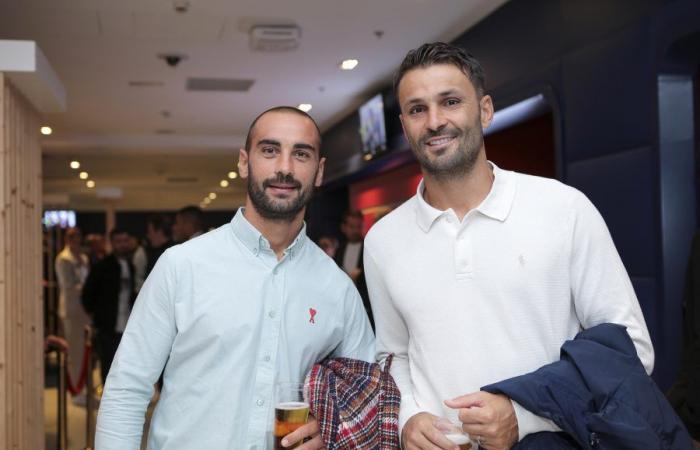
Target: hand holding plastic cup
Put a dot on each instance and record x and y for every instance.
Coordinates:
(455, 434)
(291, 411)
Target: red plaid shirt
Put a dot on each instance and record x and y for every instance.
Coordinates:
(356, 404)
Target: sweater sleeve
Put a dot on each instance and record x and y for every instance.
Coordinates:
(392, 336)
(600, 287)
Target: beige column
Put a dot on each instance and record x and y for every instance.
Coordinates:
(21, 303)
(28, 85)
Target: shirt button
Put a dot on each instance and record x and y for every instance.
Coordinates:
(260, 402)
(271, 314)
(266, 358)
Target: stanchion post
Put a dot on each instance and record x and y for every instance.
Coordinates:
(90, 388)
(62, 434)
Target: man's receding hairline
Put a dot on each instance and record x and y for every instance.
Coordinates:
(289, 111)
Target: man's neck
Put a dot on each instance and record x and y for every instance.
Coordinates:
(279, 233)
(461, 194)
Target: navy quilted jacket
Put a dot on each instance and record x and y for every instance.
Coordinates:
(599, 394)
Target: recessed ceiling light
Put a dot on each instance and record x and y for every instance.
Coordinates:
(306, 107)
(232, 175)
(83, 175)
(207, 200)
(75, 165)
(46, 131)
(223, 183)
(212, 195)
(349, 64)
(90, 184)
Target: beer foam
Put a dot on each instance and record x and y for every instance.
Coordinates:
(292, 405)
(457, 438)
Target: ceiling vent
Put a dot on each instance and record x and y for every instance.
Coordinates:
(275, 38)
(219, 84)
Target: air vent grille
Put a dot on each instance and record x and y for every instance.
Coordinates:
(219, 84)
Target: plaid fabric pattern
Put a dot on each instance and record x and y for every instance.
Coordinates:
(356, 404)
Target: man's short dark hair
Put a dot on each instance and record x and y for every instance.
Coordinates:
(287, 109)
(116, 231)
(160, 222)
(351, 213)
(193, 214)
(441, 53)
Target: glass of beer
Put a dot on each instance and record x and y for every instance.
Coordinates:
(455, 434)
(291, 411)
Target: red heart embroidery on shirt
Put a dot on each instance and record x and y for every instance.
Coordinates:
(312, 313)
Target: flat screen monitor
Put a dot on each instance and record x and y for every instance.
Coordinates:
(372, 126)
(59, 218)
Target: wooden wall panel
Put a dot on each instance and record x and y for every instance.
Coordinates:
(21, 315)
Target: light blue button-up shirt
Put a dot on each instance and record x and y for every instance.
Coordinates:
(227, 320)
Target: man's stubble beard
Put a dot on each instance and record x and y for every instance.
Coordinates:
(278, 210)
(458, 164)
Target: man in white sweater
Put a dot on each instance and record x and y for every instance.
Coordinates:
(484, 273)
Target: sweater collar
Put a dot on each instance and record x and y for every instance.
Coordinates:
(496, 205)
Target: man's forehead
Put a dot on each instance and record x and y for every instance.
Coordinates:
(436, 77)
(284, 120)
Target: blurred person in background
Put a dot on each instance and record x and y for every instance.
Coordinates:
(349, 255)
(97, 248)
(72, 267)
(329, 245)
(108, 296)
(140, 260)
(158, 233)
(189, 223)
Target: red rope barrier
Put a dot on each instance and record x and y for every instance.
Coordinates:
(76, 389)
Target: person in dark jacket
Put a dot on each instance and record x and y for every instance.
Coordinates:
(684, 395)
(108, 296)
(599, 394)
(348, 256)
(158, 233)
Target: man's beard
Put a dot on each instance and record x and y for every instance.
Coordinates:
(456, 164)
(281, 210)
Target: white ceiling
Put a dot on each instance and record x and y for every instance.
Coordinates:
(116, 131)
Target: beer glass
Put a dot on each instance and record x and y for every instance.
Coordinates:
(291, 411)
(455, 434)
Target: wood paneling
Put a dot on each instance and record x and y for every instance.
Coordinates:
(21, 316)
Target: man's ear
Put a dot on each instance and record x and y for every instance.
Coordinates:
(243, 163)
(319, 173)
(486, 107)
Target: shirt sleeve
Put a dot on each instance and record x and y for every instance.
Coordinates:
(600, 287)
(358, 338)
(139, 361)
(392, 336)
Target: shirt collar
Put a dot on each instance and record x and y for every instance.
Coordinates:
(254, 241)
(496, 205)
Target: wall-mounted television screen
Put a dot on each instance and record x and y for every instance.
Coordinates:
(372, 126)
(59, 218)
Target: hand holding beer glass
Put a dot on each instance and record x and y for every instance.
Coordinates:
(291, 411)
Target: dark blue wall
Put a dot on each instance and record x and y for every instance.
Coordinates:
(600, 61)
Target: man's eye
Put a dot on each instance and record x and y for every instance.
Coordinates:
(452, 101)
(416, 110)
(269, 150)
(304, 155)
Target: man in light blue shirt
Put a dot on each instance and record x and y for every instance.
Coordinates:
(230, 313)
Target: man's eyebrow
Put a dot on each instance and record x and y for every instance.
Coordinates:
(446, 93)
(269, 142)
(304, 146)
